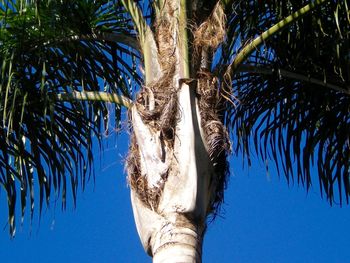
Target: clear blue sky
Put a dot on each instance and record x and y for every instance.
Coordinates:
(264, 221)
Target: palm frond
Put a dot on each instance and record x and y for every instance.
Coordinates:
(299, 119)
(49, 50)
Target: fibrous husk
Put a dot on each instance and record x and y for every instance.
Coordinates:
(165, 33)
(157, 106)
(158, 111)
(207, 37)
(215, 133)
(147, 193)
(211, 32)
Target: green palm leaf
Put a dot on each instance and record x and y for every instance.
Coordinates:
(50, 50)
(294, 91)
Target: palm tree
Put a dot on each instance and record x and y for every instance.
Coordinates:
(274, 74)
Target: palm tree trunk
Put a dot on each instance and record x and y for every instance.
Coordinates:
(177, 158)
(181, 242)
(168, 238)
(170, 210)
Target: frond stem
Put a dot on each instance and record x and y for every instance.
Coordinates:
(146, 40)
(118, 38)
(184, 38)
(137, 17)
(97, 36)
(290, 75)
(275, 29)
(95, 96)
